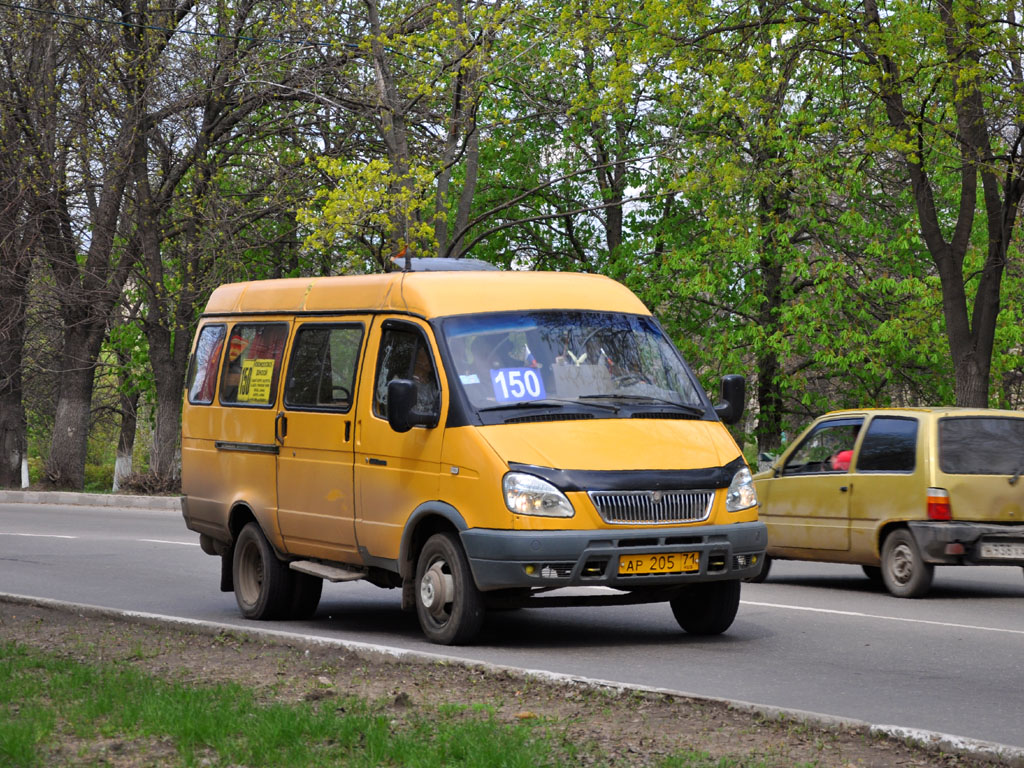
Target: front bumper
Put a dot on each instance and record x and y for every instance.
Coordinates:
(501, 559)
(938, 541)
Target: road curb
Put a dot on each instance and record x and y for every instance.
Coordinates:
(1002, 754)
(121, 501)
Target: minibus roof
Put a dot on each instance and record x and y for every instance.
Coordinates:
(428, 294)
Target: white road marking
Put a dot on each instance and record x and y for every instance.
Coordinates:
(859, 615)
(166, 541)
(39, 535)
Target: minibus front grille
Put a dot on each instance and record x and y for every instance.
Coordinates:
(653, 507)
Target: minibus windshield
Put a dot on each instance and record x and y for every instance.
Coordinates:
(549, 357)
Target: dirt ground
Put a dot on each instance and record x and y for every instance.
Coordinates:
(622, 729)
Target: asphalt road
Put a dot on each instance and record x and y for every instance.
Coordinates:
(814, 637)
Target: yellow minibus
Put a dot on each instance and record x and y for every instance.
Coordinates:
(475, 438)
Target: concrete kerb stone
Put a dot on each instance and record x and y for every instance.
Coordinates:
(122, 501)
(1001, 754)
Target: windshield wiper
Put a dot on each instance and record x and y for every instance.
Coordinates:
(1016, 475)
(546, 403)
(694, 409)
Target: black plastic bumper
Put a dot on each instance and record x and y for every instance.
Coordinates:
(509, 559)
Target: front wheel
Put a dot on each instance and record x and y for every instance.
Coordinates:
(708, 608)
(261, 581)
(448, 604)
(904, 571)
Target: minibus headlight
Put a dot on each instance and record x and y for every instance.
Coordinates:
(530, 495)
(741, 493)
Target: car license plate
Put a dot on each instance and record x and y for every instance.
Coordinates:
(1002, 550)
(672, 562)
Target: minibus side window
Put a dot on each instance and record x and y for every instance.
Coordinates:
(202, 373)
(404, 354)
(252, 364)
(322, 369)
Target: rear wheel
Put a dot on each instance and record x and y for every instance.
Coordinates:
(904, 571)
(261, 581)
(874, 574)
(305, 595)
(448, 604)
(708, 608)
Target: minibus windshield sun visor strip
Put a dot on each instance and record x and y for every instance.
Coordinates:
(568, 480)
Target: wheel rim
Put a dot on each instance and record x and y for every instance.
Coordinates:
(250, 576)
(902, 567)
(437, 590)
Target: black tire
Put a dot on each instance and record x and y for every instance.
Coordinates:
(766, 565)
(904, 571)
(448, 604)
(305, 597)
(262, 582)
(708, 608)
(874, 574)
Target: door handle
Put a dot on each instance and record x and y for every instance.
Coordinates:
(280, 427)
(844, 488)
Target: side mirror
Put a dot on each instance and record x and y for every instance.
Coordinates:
(402, 413)
(734, 397)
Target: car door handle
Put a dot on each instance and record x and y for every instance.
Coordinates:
(280, 427)
(376, 462)
(844, 488)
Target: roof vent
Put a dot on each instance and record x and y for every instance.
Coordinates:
(438, 264)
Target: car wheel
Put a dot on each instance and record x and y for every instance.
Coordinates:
(449, 606)
(874, 574)
(766, 565)
(262, 583)
(305, 595)
(904, 572)
(707, 609)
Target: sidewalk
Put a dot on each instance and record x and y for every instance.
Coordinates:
(123, 501)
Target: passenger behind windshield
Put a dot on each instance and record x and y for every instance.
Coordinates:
(523, 357)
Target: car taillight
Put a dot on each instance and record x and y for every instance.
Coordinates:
(938, 504)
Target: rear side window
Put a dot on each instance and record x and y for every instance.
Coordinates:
(322, 370)
(981, 445)
(202, 373)
(253, 363)
(890, 445)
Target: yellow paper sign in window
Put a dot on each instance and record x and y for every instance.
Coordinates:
(254, 385)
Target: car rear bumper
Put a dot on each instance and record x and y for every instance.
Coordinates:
(961, 543)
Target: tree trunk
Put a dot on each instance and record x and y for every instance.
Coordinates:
(14, 273)
(768, 432)
(12, 432)
(126, 438)
(169, 371)
(65, 466)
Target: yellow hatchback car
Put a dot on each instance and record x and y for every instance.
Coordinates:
(899, 491)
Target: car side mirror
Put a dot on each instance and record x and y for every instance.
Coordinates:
(733, 396)
(402, 413)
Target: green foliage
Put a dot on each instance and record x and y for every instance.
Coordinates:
(43, 699)
(737, 165)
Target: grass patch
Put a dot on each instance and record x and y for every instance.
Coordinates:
(59, 711)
